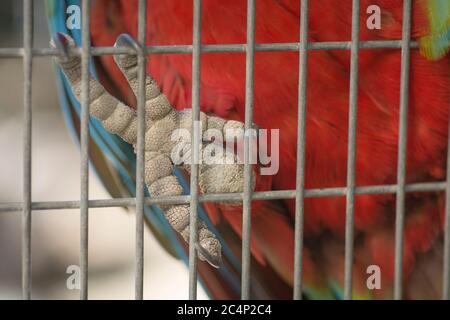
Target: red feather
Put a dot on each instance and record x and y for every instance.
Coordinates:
(275, 106)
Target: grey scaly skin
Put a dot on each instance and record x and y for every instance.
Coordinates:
(161, 121)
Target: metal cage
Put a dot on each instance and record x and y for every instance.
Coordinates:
(196, 49)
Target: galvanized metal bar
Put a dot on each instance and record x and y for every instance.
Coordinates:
(27, 206)
(218, 197)
(215, 48)
(260, 195)
(140, 153)
(195, 145)
(402, 140)
(301, 142)
(351, 153)
(247, 200)
(446, 267)
(84, 139)
(27, 150)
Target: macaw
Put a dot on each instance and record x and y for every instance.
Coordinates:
(170, 22)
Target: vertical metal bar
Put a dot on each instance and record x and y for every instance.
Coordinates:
(247, 201)
(195, 138)
(446, 268)
(84, 138)
(140, 166)
(402, 138)
(301, 141)
(27, 139)
(351, 155)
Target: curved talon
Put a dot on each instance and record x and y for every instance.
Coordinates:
(214, 260)
(61, 43)
(125, 40)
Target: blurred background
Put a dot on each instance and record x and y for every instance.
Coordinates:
(56, 176)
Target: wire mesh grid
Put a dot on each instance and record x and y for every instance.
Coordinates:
(299, 194)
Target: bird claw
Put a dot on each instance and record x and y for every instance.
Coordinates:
(161, 120)
(61, 43)
(125, 40)
(213, 260)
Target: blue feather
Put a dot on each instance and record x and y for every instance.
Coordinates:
(119, 152)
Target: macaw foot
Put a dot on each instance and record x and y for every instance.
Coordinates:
(167, 140)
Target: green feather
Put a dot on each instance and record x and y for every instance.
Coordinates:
(436, 44)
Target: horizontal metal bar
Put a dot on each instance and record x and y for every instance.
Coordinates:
(261, 195)
(213, 48)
